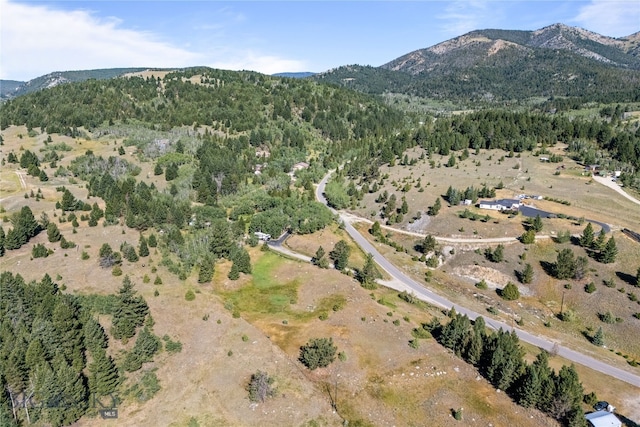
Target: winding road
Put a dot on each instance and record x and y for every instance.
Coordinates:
(402, 282)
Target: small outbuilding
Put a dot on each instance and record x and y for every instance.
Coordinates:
(603, 419)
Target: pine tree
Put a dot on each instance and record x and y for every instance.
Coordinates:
(205, 273)
(528, 392)
(320, 258)
(369, 273)
(599, 243)
(609, 252)
(565, 265)
(435, 208)
(143, 248)
(598, 338)
(527, 274)
(340, 255)
(2, 237)
(129, 312)
(242, 259)
(586, 239)
(568, 395)
(510, 292)
(72, 395)
(157, 170)
(171, 172)
(234, 273)
(53, 233)
(506, 363)
(95, 337)
(69, 332)
(536, 224)
(498, 254)
(104, 377)
(152, 241)
(146, 346)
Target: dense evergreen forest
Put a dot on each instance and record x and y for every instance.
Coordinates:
(227, 145)
(54, 354)
(470, 75)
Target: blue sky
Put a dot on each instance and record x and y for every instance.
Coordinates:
(38, 37)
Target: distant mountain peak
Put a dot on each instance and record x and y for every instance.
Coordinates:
(476, 46)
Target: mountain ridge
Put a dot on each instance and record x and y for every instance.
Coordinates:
(504, 65)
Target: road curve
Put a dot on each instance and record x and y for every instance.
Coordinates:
(403, 282)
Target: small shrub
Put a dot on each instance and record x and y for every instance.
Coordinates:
(414, 343)
(117, 271)
(172, 346)
(607, 317)
(84, 256)
(190, 295)
(482, 285)
(260, 387)
(318, 353)
(510, 292)
(590, 287)
(245, 338)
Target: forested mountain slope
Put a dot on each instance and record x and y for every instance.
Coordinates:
(504, 65)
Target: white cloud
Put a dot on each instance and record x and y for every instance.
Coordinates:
(37, 40)
(267, 64)
(463, 16)
(610, 18)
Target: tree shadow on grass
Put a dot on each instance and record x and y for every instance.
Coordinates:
(627, 422)
(625, 277)
(548, 267)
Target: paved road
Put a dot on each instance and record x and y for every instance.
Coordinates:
(349, 217)
(403, 282)
(531, 212)
(606, 181)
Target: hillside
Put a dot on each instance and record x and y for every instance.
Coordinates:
(554, 61)
(11, 89)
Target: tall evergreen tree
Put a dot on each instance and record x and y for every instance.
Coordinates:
(95, 337)
(53, 233)
(369, 273)
(103, 373)
(526, 276)
(340, 255)
(568, 395)
(2, 237)
(206, 270)
(129, 312)
(587, 237)
(610, 252)
(146, 346)
(241, 258)
(565, 266)
(505, 364)
(598, 338)
(600, 241)
(143, 248)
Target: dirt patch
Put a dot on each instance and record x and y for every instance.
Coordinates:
(494, 278)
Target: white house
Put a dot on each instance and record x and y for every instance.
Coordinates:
(263, 236)
(603, 419)
(500, 205)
